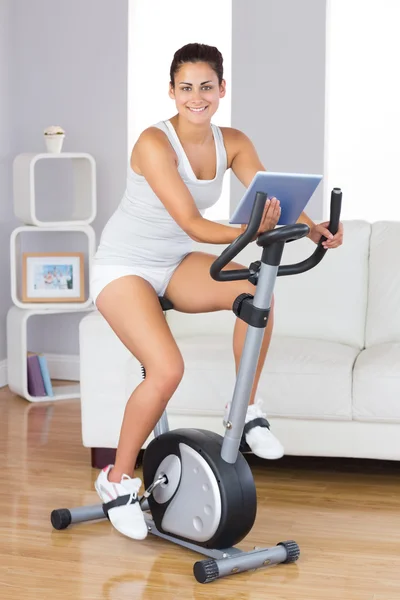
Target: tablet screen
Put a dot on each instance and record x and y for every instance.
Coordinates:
(293, 190)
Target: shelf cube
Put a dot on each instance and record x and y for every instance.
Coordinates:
(55, 189)
(50, 240)
(17, 350)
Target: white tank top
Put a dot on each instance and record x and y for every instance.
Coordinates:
(141, 230)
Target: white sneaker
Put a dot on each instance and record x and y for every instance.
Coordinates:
(127, 518)
(257, 434)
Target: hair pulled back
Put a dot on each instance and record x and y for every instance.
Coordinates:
(192, 53)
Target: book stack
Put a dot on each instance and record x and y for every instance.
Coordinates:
(39, 382)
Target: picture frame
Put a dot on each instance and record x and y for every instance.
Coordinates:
(53, 277)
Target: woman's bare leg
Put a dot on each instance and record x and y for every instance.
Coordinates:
(193, 290)
(131, 307)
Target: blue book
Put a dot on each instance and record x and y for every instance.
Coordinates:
(45, 375)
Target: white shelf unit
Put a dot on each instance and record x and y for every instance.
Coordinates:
(53, 194)
(17, 348)
(16, 263)
(84, 187)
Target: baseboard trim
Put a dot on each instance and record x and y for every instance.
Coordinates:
(64, 366)
(61, 366)
(3, 373)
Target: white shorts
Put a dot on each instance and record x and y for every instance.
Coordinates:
(158, 277)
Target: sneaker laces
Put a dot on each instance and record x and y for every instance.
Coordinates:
(131, 485)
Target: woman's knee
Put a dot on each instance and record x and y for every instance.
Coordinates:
(166, 375)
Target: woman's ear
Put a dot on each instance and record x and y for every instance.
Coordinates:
(171, 91)
(222, 89)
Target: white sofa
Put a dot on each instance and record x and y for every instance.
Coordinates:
(331, 382)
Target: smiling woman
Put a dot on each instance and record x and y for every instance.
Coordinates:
(146, 251)
(176, 172)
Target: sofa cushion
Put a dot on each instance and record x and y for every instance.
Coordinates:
(310, 379)
(325, 303)
(376, 388)
(383, 313)
(301, 378)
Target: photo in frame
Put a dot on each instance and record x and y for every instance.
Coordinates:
(53, 277)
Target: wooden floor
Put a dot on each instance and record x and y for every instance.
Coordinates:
(344, 515)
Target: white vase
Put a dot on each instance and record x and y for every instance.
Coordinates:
(54, 143)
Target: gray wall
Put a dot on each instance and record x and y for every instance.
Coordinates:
(6, 145)
(66, 63)
(278, 85)
(69, 67)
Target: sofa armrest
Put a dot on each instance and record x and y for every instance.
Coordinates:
(107, 369)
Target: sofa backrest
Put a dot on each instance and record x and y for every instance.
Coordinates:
(328, 302)
(383, 313)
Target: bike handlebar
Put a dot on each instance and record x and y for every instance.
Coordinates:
(319, 253)
(284, 234)
(237, 246)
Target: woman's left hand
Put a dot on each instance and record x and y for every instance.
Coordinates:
(332, 241)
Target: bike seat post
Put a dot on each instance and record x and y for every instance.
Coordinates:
(162, 426)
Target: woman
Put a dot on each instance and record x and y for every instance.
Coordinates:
(175, 173)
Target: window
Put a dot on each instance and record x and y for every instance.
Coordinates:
(157, 28)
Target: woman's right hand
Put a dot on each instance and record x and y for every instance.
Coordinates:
(270, 218)
(271, 214)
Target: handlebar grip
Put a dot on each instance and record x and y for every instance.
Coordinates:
(336, 207)
(318, 254)
(237, 246)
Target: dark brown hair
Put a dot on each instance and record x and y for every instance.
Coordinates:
(192, 53)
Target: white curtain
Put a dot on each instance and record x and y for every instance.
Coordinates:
(157, 28)
(362, 141)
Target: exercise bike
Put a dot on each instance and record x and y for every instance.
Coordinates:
(199, 489)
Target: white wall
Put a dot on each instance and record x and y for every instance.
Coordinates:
(363, 106)
(157, 29)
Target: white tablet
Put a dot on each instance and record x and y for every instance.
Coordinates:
(293, 190)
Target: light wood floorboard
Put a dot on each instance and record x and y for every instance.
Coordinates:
(345, 515)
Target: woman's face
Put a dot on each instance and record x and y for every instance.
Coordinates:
(197, 91)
